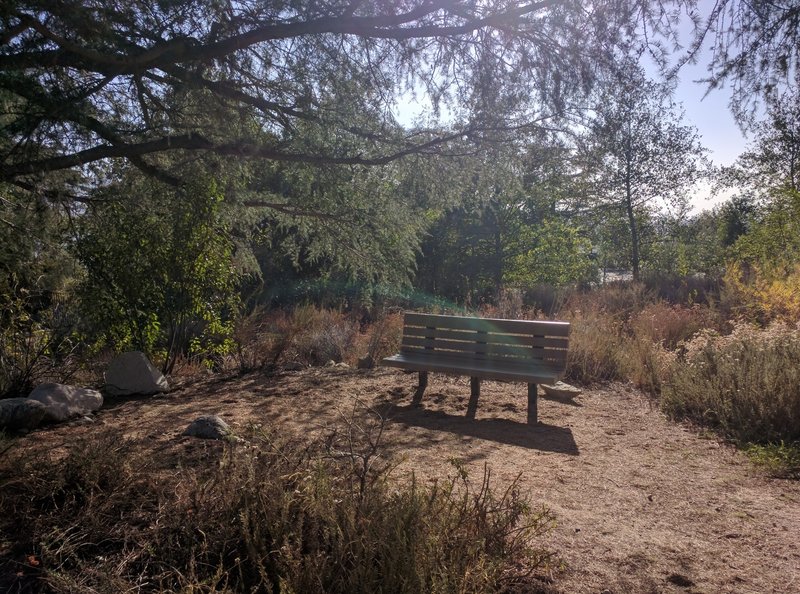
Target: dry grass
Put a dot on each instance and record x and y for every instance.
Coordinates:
(671, 325)
(379, 339)
(595, 348)
(312, 336)
(621, 332)
(746, 384)
(619, 299)
(267, 514)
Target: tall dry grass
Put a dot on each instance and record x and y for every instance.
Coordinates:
(623, 332)
(261, 516)
(380, 338)
(595, 348)
(307, 334)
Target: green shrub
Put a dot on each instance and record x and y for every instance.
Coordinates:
(160, 274)
(780, 459)
(258, 516)
(747, 384)
(35, 346)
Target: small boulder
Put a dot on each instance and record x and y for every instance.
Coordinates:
(131, 374)
(21, 414)
(561, 390)
(208, 427)
(333, 363)
(64, 402)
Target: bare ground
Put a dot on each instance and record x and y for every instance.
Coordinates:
(641, 504)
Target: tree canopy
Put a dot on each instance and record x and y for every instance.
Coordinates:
(755, 49)
(640, 156)
(85, 81)
(772, 159)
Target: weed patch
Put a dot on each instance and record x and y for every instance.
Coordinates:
(779, 459)
(260, 516)
(746, 385)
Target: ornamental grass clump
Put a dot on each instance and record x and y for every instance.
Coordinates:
(746, 384)
(595, 348)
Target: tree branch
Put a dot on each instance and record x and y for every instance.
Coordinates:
(193, 141)
(189, 49)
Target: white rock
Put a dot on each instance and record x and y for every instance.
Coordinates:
(132, 373)
(64, 402)
(21, 414)
(561, 390)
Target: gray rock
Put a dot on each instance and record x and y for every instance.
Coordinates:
(208, 427)
(21, 414)
(64, 402)
(132, 373)
(561, 390)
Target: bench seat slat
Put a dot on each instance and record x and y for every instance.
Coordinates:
(489, 325)
(483, 346)
(558, 358)
(529, 372)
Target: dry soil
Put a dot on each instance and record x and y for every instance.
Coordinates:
(641, 504)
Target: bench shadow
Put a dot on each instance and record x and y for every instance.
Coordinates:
(546, 438)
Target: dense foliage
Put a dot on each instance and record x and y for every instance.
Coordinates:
(159, 271)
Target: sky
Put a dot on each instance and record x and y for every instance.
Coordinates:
(708, 112)
(711, 115)
(719, 132)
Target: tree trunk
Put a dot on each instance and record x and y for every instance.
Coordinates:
(498, 255)
(632, 222)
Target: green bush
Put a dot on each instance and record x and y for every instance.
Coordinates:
(257, 517)
(781, 460)
(160, 274)
(35, 346)
(747, 384)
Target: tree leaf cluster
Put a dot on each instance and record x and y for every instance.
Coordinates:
(159, 273)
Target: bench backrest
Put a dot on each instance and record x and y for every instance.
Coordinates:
(486, 338)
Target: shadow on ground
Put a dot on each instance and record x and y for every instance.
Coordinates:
(546, 438)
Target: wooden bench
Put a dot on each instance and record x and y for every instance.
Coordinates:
(530, 351)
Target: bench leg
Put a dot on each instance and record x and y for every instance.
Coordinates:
(475, 392)
(533, 412)
(423, 383)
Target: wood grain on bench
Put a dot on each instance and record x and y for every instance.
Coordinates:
(531, 351)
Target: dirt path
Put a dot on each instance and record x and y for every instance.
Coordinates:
(642, 504)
